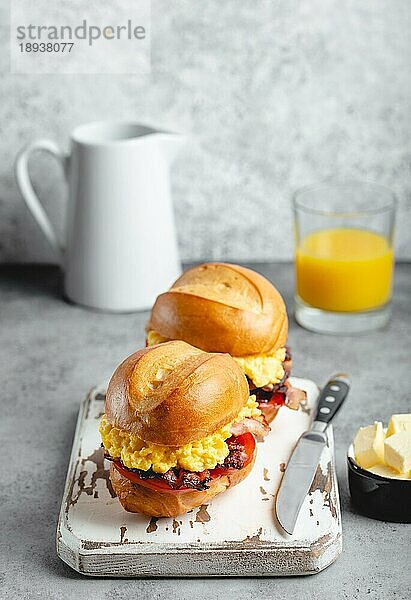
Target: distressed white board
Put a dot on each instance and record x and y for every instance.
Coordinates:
(235, 534)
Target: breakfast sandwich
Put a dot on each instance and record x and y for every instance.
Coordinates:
(178, 428)
(221, 307)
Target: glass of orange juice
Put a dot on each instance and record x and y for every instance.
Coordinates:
(344, 256)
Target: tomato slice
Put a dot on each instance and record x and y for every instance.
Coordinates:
(271, 407)
(278, 398)
(246, 439)
(155, 484)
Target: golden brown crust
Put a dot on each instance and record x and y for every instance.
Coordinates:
(221, 307)
(173, 394)
(139, 499)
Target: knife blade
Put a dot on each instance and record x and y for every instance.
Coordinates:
(301, 467)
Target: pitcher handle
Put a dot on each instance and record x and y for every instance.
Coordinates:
(31, 199)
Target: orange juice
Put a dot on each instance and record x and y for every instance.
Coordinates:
(344, 270)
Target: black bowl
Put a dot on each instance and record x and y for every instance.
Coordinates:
(379, 497)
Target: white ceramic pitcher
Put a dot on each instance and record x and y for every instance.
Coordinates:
(120, 250)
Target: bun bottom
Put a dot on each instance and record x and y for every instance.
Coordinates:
(139, 499)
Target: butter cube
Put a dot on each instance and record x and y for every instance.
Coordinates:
(397, 451)
(385, 471)
(399, 423)
(369, 445)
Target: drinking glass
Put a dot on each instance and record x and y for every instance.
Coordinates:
(344, 256)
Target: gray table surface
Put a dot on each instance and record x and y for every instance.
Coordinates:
(53, 352)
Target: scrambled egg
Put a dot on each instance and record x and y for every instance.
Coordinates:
(263, 369)
(154, 338)
(205, 453)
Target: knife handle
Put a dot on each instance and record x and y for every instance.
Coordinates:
(332, 398)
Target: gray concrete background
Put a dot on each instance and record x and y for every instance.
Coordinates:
(272, 94)
(51, 353)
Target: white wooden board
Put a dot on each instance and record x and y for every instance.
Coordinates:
(235, 534)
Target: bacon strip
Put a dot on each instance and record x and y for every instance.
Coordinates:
(249, 425)
(269, 410)
(288, 361)
(294, 397)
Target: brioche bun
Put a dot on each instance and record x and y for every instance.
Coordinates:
(173, 394)
(139, 499)
(221, 307)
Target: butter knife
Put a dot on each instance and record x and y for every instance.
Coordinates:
(301, 467)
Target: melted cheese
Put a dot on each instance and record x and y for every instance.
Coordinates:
(262, 369)
(202, 454)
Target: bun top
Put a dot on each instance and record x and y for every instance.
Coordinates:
(173, 394)
(221, 307)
